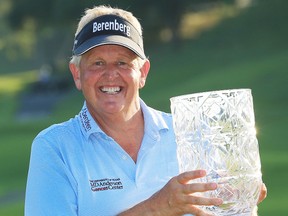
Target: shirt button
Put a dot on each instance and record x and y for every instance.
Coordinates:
(124, 157)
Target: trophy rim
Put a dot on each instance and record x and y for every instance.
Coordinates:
(196, 94)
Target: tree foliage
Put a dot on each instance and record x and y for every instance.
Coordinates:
(50, 25)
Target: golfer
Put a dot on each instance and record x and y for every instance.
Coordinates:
(118, 155)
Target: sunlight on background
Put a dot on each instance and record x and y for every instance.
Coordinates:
(194, 23)
(13, 83)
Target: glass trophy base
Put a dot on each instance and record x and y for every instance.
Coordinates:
(217, 211)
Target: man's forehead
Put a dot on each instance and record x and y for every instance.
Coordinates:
(109, 51)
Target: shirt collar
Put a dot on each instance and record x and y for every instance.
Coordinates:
(154, 121)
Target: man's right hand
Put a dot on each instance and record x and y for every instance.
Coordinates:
(178, 197)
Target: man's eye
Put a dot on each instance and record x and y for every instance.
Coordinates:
(99, 63)
(122, 63)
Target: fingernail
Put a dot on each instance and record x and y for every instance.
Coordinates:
(213, 185)
(219, 201)
(202, 172)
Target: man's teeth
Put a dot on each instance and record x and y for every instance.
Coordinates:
(110, 90)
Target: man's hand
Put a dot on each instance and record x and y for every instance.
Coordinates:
(178, 197)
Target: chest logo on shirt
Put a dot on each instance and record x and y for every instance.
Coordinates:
(106, 184)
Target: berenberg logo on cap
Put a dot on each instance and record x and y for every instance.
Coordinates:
(112, 25)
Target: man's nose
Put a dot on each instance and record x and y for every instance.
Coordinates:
(111, 71)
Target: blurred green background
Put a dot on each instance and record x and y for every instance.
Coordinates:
(193, 46)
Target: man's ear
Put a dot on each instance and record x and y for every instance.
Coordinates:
(75, 71)
(144, 73)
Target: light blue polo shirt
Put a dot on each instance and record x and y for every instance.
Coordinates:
(76, 169)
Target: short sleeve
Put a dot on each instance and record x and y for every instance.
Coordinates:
(51, 188)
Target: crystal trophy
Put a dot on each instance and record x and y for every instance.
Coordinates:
(215, 131)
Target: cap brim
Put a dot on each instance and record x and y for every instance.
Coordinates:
(109, 39)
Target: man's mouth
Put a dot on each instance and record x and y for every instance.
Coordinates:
(110, 90)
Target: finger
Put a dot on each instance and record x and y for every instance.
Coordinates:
(185, 177)
(198, 187)
(205, 201)
(196, 211)
(263, 193)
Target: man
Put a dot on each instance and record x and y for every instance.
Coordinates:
(118, 156)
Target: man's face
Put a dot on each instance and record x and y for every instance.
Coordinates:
(110, 78)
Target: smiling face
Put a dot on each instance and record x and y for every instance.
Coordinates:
(110, 77)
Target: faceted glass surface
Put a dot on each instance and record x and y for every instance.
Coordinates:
(215, 131)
